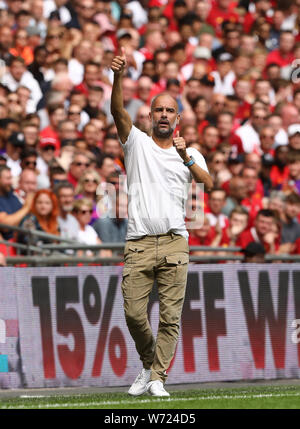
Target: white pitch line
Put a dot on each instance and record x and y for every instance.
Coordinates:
(146, 401)
(32, 396)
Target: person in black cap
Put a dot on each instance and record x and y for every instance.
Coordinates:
(207, 83)
(14, 146)
(254, 253)
(267, 162)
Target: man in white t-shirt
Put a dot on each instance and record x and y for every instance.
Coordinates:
(159, 170)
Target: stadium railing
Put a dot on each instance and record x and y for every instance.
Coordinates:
(64, 252)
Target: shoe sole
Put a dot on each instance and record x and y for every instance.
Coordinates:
(137, 394)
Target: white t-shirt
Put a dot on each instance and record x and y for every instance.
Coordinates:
(158, 184)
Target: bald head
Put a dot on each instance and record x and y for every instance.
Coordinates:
(165, 96)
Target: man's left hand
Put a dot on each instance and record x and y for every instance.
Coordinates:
(180, 146)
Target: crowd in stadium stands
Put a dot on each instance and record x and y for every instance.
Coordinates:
(234, 68)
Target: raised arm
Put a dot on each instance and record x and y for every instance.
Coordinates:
(121, 117)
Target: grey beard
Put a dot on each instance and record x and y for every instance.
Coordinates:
(164, 133)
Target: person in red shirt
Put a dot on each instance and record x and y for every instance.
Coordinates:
(222, 11)
(262, 8)
(279, 171)
(253, 201)
(209, 140)
(202, 234)
(200, 107)
(78, 166)
(56, 114)
(265, 231)
(225, 127)
(238, 222)
(284, 55)
(90, 78)
(216, 202)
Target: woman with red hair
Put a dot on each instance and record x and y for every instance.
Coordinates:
(42, 217)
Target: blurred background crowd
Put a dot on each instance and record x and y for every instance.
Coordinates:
(233, 66)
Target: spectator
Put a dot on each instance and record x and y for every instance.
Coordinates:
(78, 116)
(238, 222)
(217, 166)
(202, 234)
(190, 134)
(27, 184)
(294, 137)
(77, 167)
(20, 47)
(249, 132)
(11, 209)
(17, 75)
(28, 158)
(254, 188)
(254, 253)
(292, 182)
(264, 231)
(82, 210)
(67, 130)
(91, 136)
(216, 202)
(216, 106)
(290, 225)
(113, 228)
(14, 146)
(210, 140)
(81, 55)
(267, 140)
(237, 192)
(56, 115)
(225, 125)
(31, 134)
(42, 217)
(276, 202)
(68, 224)
(105, 167)
(143, 119)
(87, 188)
(279, 171)
(56, 175)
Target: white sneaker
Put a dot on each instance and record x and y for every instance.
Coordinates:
(139, 385)
(156, 388)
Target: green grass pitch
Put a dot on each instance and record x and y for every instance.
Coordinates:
(252, 397)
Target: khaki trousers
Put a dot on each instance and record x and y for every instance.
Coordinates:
(164, 258)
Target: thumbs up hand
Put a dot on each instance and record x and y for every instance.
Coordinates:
(118, 63)
(180, 146)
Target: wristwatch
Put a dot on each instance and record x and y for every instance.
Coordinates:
(190, 162)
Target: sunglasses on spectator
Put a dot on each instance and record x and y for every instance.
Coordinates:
(80, 164)
(73, 113)
(48, 147)
(260, 117)
(27, 163)
(86, 7)
(90, 181)
(84, 212)
(55, 36)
